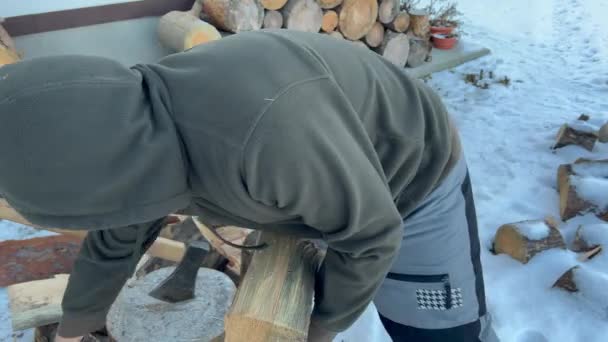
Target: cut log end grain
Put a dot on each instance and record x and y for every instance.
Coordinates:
(329, 4)
(395, 48)
(571, 136)
(330, 21)
(357, 17)
(273, 5)
(180, 31)
(419, 24)
(234, 15)
(523, 240)
(273, 19)
(375, 36)
(302, 15)
(401, 22)
(574, 181)
(388, 10)
(420, 51)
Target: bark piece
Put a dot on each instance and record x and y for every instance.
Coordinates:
(330, 21)
(419, 24)
(273, 5)
(582, 186)
(357, 17)
(395, 47)
(329, 4)
(523, 240)
(302, 15)
(420, 51)
(274, 300)
(180, 31)
(401, 22)
(375, 36)
(234, 15)
(568, 135)
(136, 316)
(603, 133)
(388, 10)
(273, 19)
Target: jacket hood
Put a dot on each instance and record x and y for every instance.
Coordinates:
(86, 143)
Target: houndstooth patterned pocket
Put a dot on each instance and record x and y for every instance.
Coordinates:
(437, 299)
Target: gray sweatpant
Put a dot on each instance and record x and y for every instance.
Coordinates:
(435, 290)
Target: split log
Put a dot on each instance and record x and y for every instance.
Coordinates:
(36, 303)
(162, 247)
(181, 31)
(136, 316)
(375, 36)
(603, 133)
(357, 17)
(273, 5)
(401, 22)
(274, 300)
(302, 15)
(330, 21)
(582, 187)
(420, 51)
(579, 135)
(395, 47)
(523, 240)
(388, 10)
(589, 237)
(588, 284)
(273, 19)
(419, 24)
(234, 15)
(336, 34)
(329, 4)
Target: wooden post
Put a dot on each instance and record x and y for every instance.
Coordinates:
(274, 300)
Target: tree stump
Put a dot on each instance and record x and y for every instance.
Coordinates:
(273, 5)
(401, 22)
(523, 240)
(395, 47)
(302, 15)
(330, 21)
(274, 300)
(589, 284)
(579, 135)
(357, 17)
(136, 316)
(420, 50)
(273, 19)
(388, 10)
(234, 15)
(419, 24)
(603, 133)
(583, 187)
(375, 36)
(329, 4)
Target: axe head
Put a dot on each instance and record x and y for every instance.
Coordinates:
(179, 285)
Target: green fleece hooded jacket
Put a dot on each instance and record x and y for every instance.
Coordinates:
(273, 129)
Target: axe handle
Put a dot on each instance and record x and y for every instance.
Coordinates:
(162, 248)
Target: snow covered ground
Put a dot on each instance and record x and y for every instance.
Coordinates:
(556, 54)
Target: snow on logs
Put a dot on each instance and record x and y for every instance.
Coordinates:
(583, 188)
(580, 134)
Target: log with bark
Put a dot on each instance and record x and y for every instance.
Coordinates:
(179, 31)
(578, 135)
(330, 21)
(329, 4)
(582, 187)
(302, 15)
(419, 23)
(420, 51)
(401, 22)
(388, 10)
(523, 240)
(375, 36)
(273, 19)
(357, 17)
(587, 283)
(234, 15)
(273, 5)
(395, 47)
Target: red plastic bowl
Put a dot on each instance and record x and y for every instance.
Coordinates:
(444, 43)
(442, 29)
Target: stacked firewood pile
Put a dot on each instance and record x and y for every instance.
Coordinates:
(385, 26)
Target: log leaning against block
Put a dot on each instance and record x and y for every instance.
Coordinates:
(161, 248)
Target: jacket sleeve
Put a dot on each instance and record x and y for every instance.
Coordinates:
(106, 260)
(305, 161)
